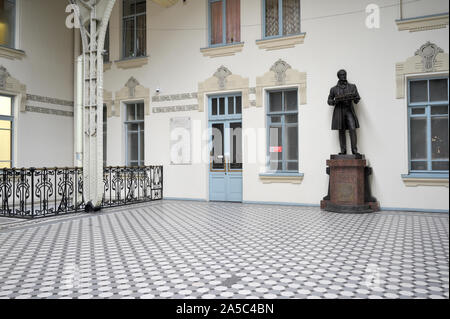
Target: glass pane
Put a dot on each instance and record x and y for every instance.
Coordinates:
(5, 105)
(418, 91)
(5, 125)
(142, 149)
(440, 166)
(276, 166)
(133, 127)
(291, 143)
(439, 137)
(238, 105)
(236, 145)
(131, 112)
(275, 119)
(418, 138)
(439, 109)
(438, 90)
(291, 17)
(231, 105)
(140, 111)
(233, 16)
(217, 152)
(290, 100)
(419, 166)
(221, 106)
(214, 106)
(275, 144)
(140, 6)
(132, 147)
(141, 39)
(216, 22)
(128, 7)
(128, 32)
(5, 145)
(417, 111)
(275, 99)
(7, 16)
(272, 27)
(292, 166)
(291, 119)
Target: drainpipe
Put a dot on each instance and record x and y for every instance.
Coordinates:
(401, 9)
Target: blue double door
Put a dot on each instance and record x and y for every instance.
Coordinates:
(225, 169)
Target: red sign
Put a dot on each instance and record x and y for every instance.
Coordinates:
(276, 149)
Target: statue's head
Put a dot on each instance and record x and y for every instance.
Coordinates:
(342, 75)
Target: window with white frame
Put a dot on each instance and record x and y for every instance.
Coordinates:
(428, 125)
(134, 127)
(6, 131)
(224, 21)
(281, 17)
(282, 124)
(7, 23)
(134, 28)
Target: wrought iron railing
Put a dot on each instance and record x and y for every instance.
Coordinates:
(41, 192)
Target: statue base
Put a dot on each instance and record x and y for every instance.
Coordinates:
(349, 187)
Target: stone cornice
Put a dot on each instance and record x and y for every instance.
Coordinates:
(281, 42)
(11, 54)
(431, 22)
(225, 50)
(132, 63)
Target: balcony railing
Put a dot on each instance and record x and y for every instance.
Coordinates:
(41, 192)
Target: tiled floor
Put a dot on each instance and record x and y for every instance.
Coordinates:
(171, 249)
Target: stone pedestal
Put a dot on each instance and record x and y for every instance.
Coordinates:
(349, 187)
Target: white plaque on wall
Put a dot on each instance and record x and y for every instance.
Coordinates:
(180, 140)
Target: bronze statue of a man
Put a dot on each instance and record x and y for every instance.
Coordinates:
(342, 97)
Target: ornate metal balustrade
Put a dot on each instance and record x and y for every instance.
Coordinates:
(128, 185)
(32, 192)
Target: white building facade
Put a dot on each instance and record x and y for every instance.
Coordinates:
(231, 96)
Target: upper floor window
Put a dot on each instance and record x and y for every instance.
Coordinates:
(7, 22)
(282, 124)
(224, 21)
(428, 125)
(6, 131)
(134, 28)
(105, 133)
(134, 128)
(281, 17)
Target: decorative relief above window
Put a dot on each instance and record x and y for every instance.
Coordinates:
(10, 85)
(132, 91)
(223, 81)
(281, 74)
(428, 58)
(435, 21)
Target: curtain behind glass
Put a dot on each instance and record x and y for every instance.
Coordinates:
(216, 23)
(233, 21)
(291, 17)
(272, 18)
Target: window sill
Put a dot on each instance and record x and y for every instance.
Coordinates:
(12, 54)
(413, 180)
(281, 42)
(435, 21)
(131, 63)
(293, 178)
(222, 50)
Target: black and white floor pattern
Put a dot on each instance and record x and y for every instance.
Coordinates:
(174, 249)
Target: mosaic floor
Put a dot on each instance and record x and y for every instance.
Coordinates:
(172, 249)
